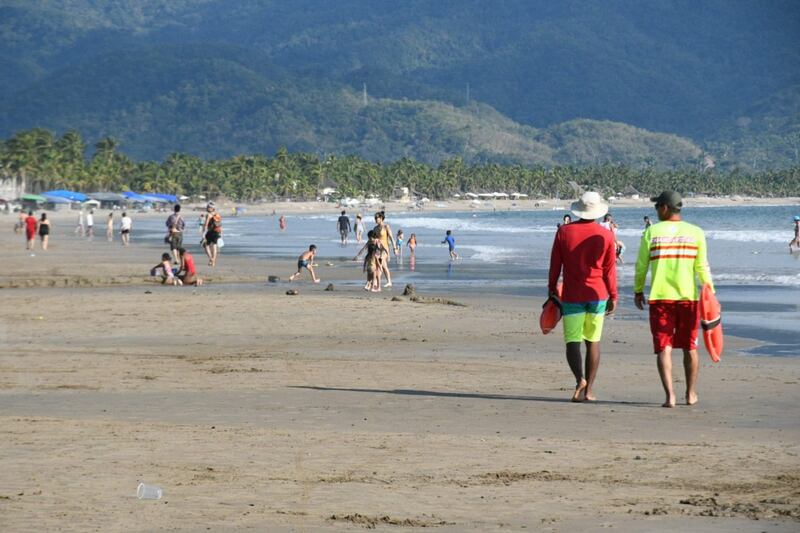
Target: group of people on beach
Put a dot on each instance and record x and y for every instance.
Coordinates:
(184, 271)
(31, 225)
(584, 255)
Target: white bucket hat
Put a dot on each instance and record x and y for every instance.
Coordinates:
(590, 206)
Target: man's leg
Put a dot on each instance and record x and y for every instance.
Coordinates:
(691, 365)
(575, 361)
(592, 364)
(665, 371)
(313, 274)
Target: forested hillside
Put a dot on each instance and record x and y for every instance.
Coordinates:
(217, 78)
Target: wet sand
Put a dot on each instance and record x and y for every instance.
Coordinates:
(345, 410)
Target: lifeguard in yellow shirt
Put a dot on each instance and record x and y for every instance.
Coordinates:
(675, 254)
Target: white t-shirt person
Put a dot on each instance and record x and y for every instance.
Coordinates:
(126, 223)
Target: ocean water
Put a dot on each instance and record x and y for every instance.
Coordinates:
(758, 281)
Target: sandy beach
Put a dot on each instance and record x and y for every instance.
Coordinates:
(341, 410)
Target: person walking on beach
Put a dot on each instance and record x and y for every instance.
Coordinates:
(44, 230)
(282, 223)
(90, 224)
(675, 254)
(110, 227)
(647, 222)
(451, 244)
(566, 220)
(79, 229)
(372, 262)
(306, 260)
(584, 253)
(794, 244)
(187, 272)
(359, 229)
(175, 227)
(384, 232)
(212, 230)
(343, 225)
(30, 230)
(125, 229)
(412, 245)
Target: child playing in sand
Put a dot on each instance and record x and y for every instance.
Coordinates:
(306, 260)
(451, 243)
(167, 274)
(187, 273)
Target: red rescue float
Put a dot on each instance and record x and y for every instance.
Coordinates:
(711, 322)
(551, 312)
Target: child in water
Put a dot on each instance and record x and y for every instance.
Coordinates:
(451, 243)
(167, 273)
(399, 242)
(412, 244)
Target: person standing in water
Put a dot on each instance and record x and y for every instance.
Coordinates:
(306, 260)
(30, 230)
(399, 246)
(79, 228)
(343, 225)
(90, 224)
(647, 222)
(384, 233)
(675, 254)
(359, 228)
(282, 223)
(126, 225)
(44, 230)
(451, 244)
(584, 252)
(794, 244)
(110, 227)
(212, 230)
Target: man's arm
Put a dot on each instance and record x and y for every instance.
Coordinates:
(642, 263)
(555, 265)
(701, 267)
(610, 269)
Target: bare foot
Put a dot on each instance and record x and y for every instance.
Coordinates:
(691, 399)
(579, 391)
(589, 397)
(387, 286)
(670, 402)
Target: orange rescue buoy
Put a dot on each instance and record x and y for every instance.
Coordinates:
(551, 312)
(711, 322)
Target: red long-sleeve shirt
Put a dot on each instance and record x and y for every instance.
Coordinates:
(586, 252)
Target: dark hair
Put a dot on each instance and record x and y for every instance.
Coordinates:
(124, 214)
(646, 217)
(606, 216)
(44, 216)
(671, 210)
(448, 232)
(371, 234)
(30, 213)
(181, 251)
(177, 208)
(381, 214)
(343, 211)
(165, 257)
(312, 247)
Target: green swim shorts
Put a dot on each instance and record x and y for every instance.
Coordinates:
(583, 321)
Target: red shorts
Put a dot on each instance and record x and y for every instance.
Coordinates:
(674, 324)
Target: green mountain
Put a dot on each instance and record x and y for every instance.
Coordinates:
(218, 102)
(289, 73)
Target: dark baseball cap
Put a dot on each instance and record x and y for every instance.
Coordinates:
(668, 198)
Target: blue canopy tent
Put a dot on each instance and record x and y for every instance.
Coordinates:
(69, 195)
(54, 203)
(135, 197)
(153, 199)
(167, 197)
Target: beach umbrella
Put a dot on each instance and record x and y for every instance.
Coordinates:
(32, 198)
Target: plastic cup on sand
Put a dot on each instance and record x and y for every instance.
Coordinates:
(148, 492)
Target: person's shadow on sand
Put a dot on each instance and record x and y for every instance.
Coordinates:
(441, 394)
